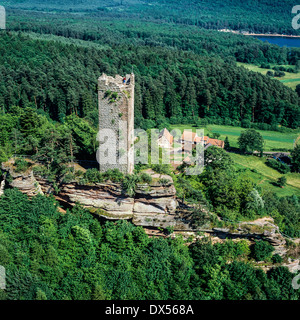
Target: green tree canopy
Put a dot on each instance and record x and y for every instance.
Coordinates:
(250, 141)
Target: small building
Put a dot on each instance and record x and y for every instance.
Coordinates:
(189, 137)
(165, 139)
(208, 142)
(217, 143)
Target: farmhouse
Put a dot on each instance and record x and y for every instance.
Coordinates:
(208, 142)
(189, 137)
(165, 139)
(194, 139)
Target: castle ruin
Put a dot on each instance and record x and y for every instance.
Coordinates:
(116, 112)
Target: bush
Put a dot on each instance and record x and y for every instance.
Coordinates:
(146, 178)
(21, 165)
(40, 170)
(276, 258)
(93, 176)
(161, 168)
(129, 184)
(262, 250)
(265, 66)
(279, 74)
(164, 182)
(3, 156)
(279, 166)
(114, 175)
(281, 181)
(69, 177)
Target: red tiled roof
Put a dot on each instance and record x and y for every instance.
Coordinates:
(207, 140)
(188, 136)
(165, 132)
(216, 142)
(199, 139)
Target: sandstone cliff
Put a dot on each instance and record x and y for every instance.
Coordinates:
(24, 181)
(152, 206)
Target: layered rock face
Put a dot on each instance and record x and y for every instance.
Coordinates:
(264, 229)
(24, 181)
(153, 205)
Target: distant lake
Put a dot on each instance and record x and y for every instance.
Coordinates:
(281, 41)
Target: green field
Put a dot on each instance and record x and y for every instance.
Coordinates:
(254, 166)
(266, 177)
(274, 141)
(290, 79)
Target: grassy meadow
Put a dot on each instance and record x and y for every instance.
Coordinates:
(265, 177)
(290, 80)
(253, 166)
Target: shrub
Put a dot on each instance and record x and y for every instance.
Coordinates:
(146, 178)
(279, 74)
(265, 66)
(276, 258)
(262, 250)
(107, 94)
(93, 176)
(279, 166)
(129, 184)
(40, 170)
(21, 165)
(245, 123)
(164, 182)
(114, 95)
(3, 156)
(161, 168)
(242, 248)
(114, 175)
(281, 181)
(255, 201)
(69, 177)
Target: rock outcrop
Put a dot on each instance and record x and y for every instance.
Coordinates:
(24, 181)
(151, 202)
(293, 265)
(153, 205)
(264, 229)
(106, 200)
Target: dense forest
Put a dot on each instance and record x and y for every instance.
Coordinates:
(61, 78)
(251, 15)
(49, 255)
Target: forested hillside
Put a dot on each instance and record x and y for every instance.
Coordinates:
(73, 256)
(252, 15)
(60, 79)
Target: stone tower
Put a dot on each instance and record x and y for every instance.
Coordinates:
(116, 112)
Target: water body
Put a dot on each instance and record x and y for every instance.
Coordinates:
(281, 41)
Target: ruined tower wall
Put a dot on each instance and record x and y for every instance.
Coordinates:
(116, 102)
